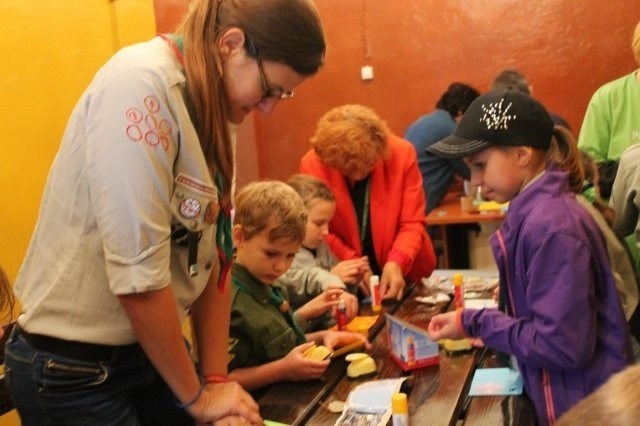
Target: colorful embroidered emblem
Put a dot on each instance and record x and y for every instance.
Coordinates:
(495, 117)
(190, 208)
(152, 104)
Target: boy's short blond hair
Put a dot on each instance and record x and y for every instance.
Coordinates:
(310, 188)
(273, 206)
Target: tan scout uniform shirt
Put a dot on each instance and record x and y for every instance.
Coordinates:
(129, 168)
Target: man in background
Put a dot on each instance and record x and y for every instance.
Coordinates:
(438, 173)
(515, 80)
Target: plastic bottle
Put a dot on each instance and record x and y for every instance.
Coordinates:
(341, 315)
(374, 284)
(458, 291)
(399, 409)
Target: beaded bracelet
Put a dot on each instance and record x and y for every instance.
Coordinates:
(193, 401)
(215, 378)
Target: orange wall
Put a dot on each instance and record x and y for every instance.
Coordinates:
(51, 49)
(567, 49)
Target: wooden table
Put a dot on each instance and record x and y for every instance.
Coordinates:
(448, 217)
(438, 394)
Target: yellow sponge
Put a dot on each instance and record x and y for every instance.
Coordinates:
(361, 365)
(318, 353)
(452, 345)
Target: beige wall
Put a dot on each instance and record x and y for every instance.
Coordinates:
(51, 49)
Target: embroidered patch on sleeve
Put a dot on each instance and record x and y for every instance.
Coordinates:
(149, 126)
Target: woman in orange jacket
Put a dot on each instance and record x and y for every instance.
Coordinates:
(378, 189)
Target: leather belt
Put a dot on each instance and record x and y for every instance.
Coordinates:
(77, 350)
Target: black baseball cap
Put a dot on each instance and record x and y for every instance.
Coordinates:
(502, 118)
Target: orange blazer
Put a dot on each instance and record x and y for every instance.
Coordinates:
(397, 207)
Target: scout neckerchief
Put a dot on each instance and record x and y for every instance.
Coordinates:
(277, 300)
(176, 43)
(224, 242)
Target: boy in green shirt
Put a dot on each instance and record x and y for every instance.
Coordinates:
(269, 226)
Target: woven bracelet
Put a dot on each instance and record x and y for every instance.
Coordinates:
(193, 401)
(215, 378)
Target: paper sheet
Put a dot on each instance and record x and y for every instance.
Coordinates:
(496, 381)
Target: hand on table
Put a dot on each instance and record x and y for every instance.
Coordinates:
(392, 281)
(222, 400)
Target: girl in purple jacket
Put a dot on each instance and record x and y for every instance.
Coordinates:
(562, 322)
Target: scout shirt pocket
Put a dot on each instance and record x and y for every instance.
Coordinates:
(194, 203)
(278, 346)
(195, 208)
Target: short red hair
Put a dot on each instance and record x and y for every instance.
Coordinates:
(351, 139)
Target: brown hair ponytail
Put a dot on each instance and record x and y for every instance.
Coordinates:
(207, 95)
(564, 152)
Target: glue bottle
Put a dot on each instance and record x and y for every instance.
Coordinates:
(399, 409)
(458, 291)
(341, 315)
(374, 284)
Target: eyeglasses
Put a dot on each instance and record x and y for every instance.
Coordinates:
(267, 90)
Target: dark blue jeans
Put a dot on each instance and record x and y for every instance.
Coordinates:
(49, 389)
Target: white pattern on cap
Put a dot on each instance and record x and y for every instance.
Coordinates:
(494, 117)
(502, 118)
